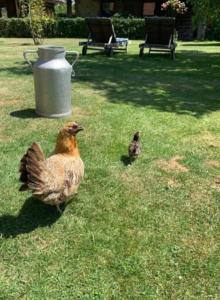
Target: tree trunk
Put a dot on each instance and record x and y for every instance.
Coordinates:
(17, 9)
(69, 8)
(76, 7)
(201, 31)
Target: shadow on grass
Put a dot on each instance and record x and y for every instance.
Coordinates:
(25, 44)
(19, 68)
(25, 114)
(125, 160)
(188, 85)
(32, 215)
(201, 44)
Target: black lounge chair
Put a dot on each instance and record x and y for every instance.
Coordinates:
(102, 37)
(159, 35)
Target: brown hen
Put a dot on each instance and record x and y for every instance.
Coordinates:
(55, 179)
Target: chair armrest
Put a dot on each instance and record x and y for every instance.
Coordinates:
(83, 43)
(142, 45)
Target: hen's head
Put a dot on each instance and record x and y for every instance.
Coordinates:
(136, 136)
(71, 129)
(66, 140)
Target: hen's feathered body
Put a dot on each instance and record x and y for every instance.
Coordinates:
(55, 179)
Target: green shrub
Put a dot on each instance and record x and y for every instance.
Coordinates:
(50, 27)
(132, 28)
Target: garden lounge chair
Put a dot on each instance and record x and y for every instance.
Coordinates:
(159, 35)
(102, 37)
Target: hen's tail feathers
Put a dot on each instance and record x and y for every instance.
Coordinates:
(31, 168)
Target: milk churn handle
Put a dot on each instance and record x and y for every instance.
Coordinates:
(25, 56)
(73, 63)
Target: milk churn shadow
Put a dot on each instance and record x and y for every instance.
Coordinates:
(28, 113)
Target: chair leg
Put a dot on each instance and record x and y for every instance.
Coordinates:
(109, 51)
(173, 54)
(141, 53)
(84, 50)
(126, 49)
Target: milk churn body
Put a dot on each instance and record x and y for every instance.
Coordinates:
(52, 82)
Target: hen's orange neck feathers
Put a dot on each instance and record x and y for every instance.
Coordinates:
(66, 144)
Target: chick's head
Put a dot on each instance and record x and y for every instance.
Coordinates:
(136, 136)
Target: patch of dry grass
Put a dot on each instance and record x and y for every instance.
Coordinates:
(204, 139)
(213, 163)
(172, 165)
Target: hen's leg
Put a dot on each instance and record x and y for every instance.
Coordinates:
(58, 208)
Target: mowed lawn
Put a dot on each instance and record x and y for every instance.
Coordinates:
(145, 231)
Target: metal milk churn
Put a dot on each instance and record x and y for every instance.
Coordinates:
(52, 80)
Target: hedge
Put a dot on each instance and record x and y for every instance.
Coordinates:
(14, 27)
(132, 28)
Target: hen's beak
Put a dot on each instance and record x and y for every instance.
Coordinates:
(80, 128)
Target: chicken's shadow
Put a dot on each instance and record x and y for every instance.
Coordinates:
(32, 215)
(125, 160)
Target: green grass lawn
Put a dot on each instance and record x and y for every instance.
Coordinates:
(145, 231)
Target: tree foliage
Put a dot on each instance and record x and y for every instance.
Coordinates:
(37, 15)
(35, 11)
(24, 8)
(203, 8)
(203, 11)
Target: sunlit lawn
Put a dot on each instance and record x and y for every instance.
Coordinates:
(145, 231)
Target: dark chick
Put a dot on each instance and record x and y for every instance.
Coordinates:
(134, 148)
